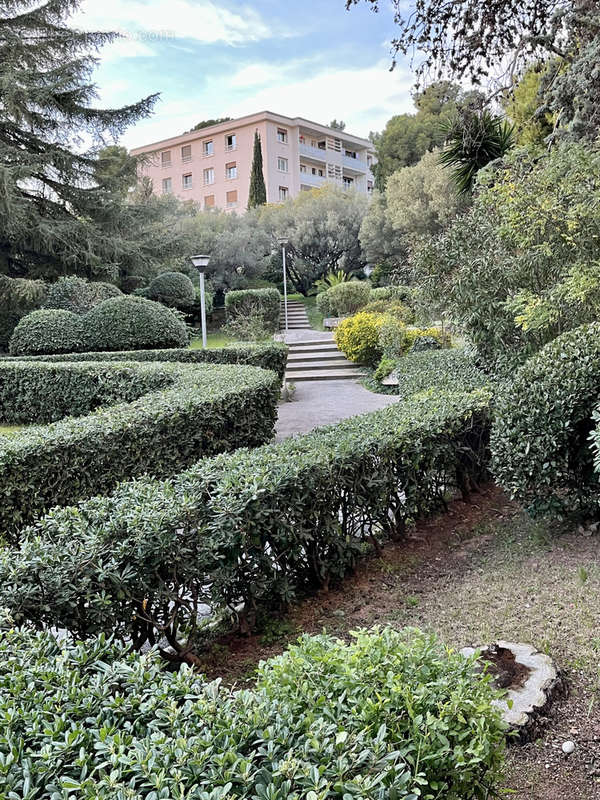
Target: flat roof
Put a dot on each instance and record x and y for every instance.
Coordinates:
(247, 120)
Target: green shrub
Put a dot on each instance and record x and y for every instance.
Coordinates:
(540, 446)
(267, 302)
(424, 343)
(394, 308)
(268, 355)
(18, 296)
(146, 418)
(133, 323)
(246, 530)
(393, 294)
(358, 337)
(48, 331)
(113, 724)
(441, 370)
(343, 298)
(173, 289)
(396, 339)
(384, 368)
(77, 295)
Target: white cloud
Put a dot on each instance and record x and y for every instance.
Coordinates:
(203, 20)
(365, 98)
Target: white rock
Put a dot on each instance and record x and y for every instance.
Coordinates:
(568, 747)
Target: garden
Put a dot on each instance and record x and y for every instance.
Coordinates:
(191, 608)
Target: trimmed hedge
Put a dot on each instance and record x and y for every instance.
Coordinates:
(267, 302)
(540, 442)
(268, 355)
(390, 715)
(343, 298)
(77, 295)
(172, 415)
(250, 529)
(119, 323)
(440, 370)
(173, 289)
(48, 331)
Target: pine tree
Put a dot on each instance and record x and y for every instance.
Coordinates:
(257, 195)
(56, 215)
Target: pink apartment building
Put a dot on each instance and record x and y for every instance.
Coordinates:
(212, 166)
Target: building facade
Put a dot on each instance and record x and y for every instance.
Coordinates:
(212, 166)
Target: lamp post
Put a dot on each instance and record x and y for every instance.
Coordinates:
(201, 263)
(283, 240)
(368, 269)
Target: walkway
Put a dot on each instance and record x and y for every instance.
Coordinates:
(323, 402)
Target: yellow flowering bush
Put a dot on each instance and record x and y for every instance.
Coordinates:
(358, 337)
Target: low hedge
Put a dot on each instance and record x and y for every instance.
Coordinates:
(244, 530)
(438, 370)
(149, 418)
(241, 302)
(540, 444)
(390, 715)
(268, 355)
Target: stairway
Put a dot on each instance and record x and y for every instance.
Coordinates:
(297, 319)
(318, 360)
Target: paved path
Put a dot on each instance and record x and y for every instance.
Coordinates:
(318, 403)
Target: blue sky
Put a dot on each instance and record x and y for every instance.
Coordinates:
(212, 58)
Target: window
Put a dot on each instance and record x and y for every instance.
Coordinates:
(186, 152)
(165, 158)
(230, 141)
(232, 198)
(167, 185)
(282, 164)
(282, 135)
(186, 180)
(318, 172)
(209, 201)
(209, 176)
(208, 148)
(283, 192)
(348, 182)
(231, 170)
(302, 167)
(350, 153)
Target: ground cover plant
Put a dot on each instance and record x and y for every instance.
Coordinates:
(140, 418)
(114, 724)
(244, 531)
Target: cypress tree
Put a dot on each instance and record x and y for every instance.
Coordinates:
(57, 213)
(257, 195)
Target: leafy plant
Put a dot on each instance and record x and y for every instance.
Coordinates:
(358, 337)
(343, 298)
(48, 331)
(77, 295)
(332, 279)
(264, 302)
(173, 289)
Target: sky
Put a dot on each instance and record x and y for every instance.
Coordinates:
(216, 58)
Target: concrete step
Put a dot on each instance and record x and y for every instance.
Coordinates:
(311, 366)
(312, 347)
(294, 316)
(324, 375)
(299, 327)
(314, 355)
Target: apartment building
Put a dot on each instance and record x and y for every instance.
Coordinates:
(212, 166)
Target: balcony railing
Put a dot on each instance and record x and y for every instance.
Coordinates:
(313, 180)
(354, 163)
(313, 152)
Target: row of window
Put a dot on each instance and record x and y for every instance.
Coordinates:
(208, 147)
(208, 175)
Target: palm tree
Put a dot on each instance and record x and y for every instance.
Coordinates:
(473, 140)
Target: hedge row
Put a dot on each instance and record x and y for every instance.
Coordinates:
(391, 715)
(173, 415)
(268, 355)
(267, 302)
(244, 530)
(440, 370)
(544, 417)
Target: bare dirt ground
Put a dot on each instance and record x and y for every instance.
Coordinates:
(483, 571)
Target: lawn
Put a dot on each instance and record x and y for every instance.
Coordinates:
(482, 572)
(312, 312)
(213, 340)
(8, 430)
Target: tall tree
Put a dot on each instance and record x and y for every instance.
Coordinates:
(55, 215)
(257, 195)
(337, 125)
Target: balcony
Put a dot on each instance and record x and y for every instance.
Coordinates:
(312, 180)
(312, 152)
(354, 163)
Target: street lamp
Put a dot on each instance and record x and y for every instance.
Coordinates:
(201, 263)
(283, 241)
(368, 270)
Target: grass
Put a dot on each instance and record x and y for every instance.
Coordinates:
(9, 430)
(213, 340)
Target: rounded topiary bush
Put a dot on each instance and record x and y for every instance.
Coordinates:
(344, 298)
(77, 295)
(174, 289)
(46, 331)
(540, 438)
(133, 323)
